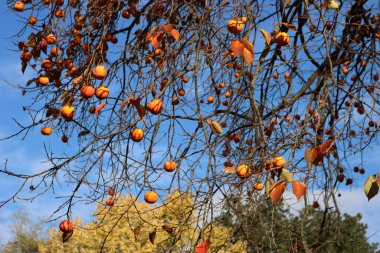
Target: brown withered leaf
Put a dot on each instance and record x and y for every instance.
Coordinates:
(313, 156)
(299, 189)
(170, 229)
(371, 187)
(152, 236)
(137, 231)
(66, 236)
(98, 108)
(150, 34)
(325, 147)
(276, 193)
(175, 34)
(156, 39)
(248, 45)
(229, 170)
(290, 26)
(123, 104)
(237, 47)
(275, 185)
(248, 56)
(167, 28)
(215, 127)
(266, 36)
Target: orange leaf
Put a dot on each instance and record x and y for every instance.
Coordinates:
(228, 170)
(248, 45)
(237, 47)
(203, 247)
(325, 146)
(277, 192)
(248, 56)
(299, 189)
(156, 39)
(290, 26)
(266, 36)
(275, 185)
(167, 28)
(150, 34)
(175, 34)
(313, 156)
(97, 110)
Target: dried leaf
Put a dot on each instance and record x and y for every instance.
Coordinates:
(268, 185)
(137, 231)
(215, 127)
(170, 229)
(248, 56)
(290, 26)
(275, 185)
(24, 64)
(371, 187)
(237, 47)
(156, 39)
(98, 108)
(229, 170)
(276, 193)
(286, 175)
(84, 132)
(248, 45)
(152, 236)
(175, 34)
(299, 189)
(123, 104)
(150, 34)
(167, 28)
(203, 247)
(266, 36)
(325, 147)
(313, 156)
(66, 236)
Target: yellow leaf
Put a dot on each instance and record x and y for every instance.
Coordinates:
(228, 170)
(248, 56)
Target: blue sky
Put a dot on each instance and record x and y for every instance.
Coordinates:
(28, 155)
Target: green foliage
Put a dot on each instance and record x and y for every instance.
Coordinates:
(266, 229)
(26, 235)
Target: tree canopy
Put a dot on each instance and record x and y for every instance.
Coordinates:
(214, 98)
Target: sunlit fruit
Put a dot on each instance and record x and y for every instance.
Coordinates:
(258, 186)
(110, 202)
(67, 112)
(185, 79)
(235, 26)
(150, 197)
(111, 191)
(46, 131)
(102, 92)
(43, 80)
(210, 99)
(282, 39)
(137, 134)
(32, 20)
(87, 91)
(66, 226)
(155, 106)
(50, 39)
(18, 6)
(99, 72)
(242, 170)
(279, 161)
(169, 166)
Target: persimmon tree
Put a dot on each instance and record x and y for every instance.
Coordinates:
(234, 95)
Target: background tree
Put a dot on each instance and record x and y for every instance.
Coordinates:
(25, 233)
(273, 91)
(319, 228)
